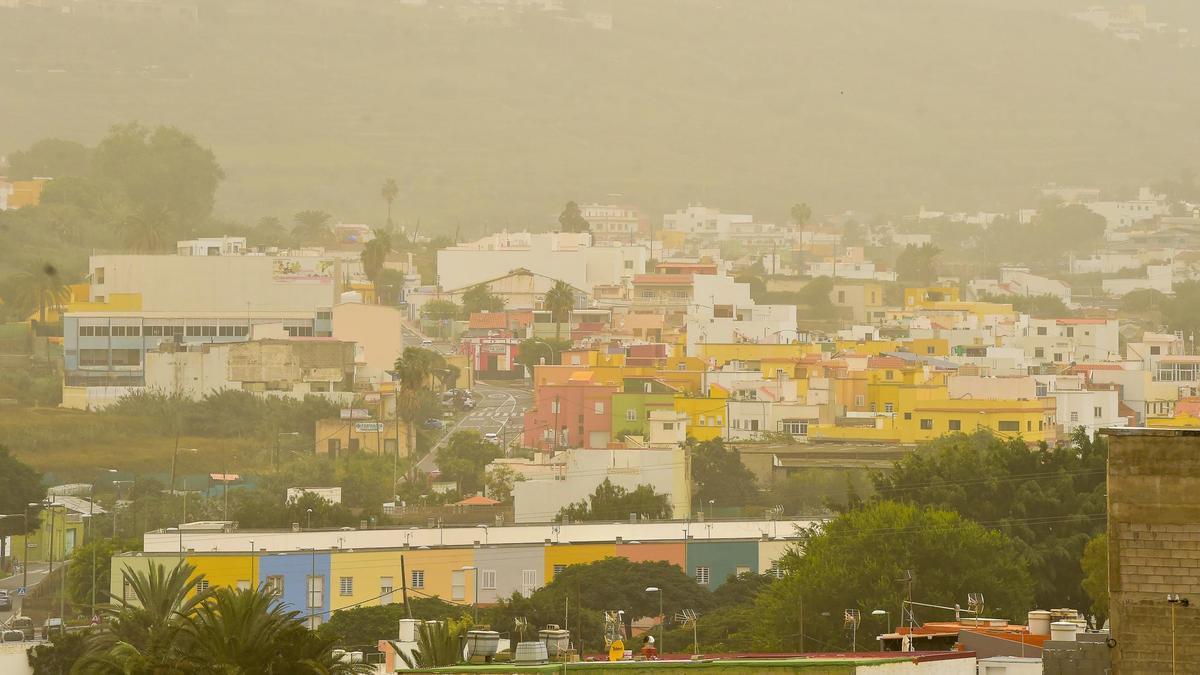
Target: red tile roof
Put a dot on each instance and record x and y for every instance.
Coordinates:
(663, 279)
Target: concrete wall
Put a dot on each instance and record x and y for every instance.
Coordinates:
(1154, 548)
(378, 332)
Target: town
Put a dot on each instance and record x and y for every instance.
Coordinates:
(524, 336)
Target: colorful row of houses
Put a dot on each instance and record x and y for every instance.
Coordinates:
(321, 579)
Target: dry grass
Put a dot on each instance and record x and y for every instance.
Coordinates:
(75, 445)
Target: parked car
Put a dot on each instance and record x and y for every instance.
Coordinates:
(492, 436)
(426, 342)
(5, 600)
(433, 423)
(12, 635)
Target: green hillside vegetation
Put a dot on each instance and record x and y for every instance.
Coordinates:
(747, 105)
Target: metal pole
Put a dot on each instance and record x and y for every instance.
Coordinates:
(91, 541)
(50, 553)
(404, 588)
(662, 619)
(25, 565)
(253, 578)
(475, 598)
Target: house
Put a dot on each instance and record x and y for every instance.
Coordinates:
(574, 414)
(353, 433)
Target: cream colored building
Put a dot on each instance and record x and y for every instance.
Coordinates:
(378, 332)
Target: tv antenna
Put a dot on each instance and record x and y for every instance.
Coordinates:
(689, 617)
(975, 603)
(851, 618)
(521, 623)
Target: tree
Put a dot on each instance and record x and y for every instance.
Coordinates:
(82, 578)
(559, 300)
(1043, 306)
(20, 485)
(50, 158)
(501, 481)
(571, 220)
(270, 231)
(57, 656)
(800, 214)
(815, 296)
(463, 458)
(719, 474)
(1050, 500)
(414, 367)
(1143, 300)
(535, 351)
(854, 561)
(159, 169)
(148, 229)
(438, 644)
(918, 263)
(375, 254)
(1095, 576)
(369, 624)
(613, 502)
(479, 298)
(39, 287)
(311, 225)
(389, 192)
(441, 310)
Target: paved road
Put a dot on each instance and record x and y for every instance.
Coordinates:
(37, 572)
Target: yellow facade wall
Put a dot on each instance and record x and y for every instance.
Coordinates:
(439, 566)
(576, 554)
(224, 570)
(1184, 421)
(699, 412)
(364, 568)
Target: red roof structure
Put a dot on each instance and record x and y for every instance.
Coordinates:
(476, 500)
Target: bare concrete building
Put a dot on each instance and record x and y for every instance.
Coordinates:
(1154, 549)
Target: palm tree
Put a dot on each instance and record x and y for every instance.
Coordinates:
(389, 191)
(40, 287)
(312, 224)
(559, 300)
(147, 229)
(413, 369)
(437, 644)
(374, 255)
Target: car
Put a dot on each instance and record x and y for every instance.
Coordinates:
(492, 436)
(23, 624)
(426, 342)
(12, 635)
(5, 600)
(433, 423)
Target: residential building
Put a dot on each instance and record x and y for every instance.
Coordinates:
(577, 473)
(723, 312)
(377, 332)
(863, 302)
(612, 222)
(574, 414)
(19, 194)
(358, 431)
(703, 222)
(62, 526)
(224, 245)
(633, 404)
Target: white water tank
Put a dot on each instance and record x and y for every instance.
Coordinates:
(351, 296)
(1039, 622)
(1063, 631)
(408, 630)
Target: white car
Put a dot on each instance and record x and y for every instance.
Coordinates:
(492, 436)
(426, 342)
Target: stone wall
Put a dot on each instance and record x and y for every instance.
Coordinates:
(1154, 549)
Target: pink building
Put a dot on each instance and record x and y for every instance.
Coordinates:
(578, 409)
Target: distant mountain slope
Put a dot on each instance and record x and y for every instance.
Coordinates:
(743, 104)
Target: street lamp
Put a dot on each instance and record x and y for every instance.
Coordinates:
(175, 462)
(485, 533)
(117, 501)
(884, 612)
(662, 619)
(710, 508)
(309, 526)
(474, 598)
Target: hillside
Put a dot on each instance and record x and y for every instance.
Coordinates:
(496, 121)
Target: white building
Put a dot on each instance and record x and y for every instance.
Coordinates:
(612, 222)
(1079, 407)
(723, 312)
(1020, 281)
(704, 221)
(224, 245)
(579, 472)
(1069, 340)
(1159, 278)
(567, 256)
(1120, 214)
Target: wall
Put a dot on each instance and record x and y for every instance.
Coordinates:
(510, 565)
(378, 332)
(722, 558)
(1154, 548)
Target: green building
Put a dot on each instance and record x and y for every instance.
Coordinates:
(632, 405)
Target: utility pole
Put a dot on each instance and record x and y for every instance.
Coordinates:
(557, 409)
(404, 588)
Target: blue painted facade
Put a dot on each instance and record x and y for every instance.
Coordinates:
(721, 559)
(295, 569)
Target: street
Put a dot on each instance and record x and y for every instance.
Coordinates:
(37, 571)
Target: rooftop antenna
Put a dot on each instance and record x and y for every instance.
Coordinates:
(850, 619)
(520, 624)
(975, 603)
(906, 608)
(689, 617)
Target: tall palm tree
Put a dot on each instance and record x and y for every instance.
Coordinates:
(312, 225)
(39, 287)
(560, 300)
(374, 255)
(389, 191)
(414, 368)
(147, 229)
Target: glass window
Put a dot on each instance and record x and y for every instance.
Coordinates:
(126, 357)
(702, 575)
(927, 424)
(458, 585)
(346, 585)
(275, 585)
(631, 415)
(955, 425)
(1009, 425)
(316, 591)
(93, 357)
(418, 578)
(598, 407)
(202, 586)
(487, 579)
(889, 408)
(385, 590)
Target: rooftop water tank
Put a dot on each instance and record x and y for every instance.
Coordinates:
(530, 653)
(1063, 631)
(1039, 622)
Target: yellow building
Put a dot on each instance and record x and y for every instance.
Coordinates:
(559, 557)
(22, 193)
(1032, 421)
(706, 415)
(78, 301)
(926, 296)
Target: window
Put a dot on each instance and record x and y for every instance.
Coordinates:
(93, 331)
(225, 331)
(859, 400)
(795, 428)
(1098, 412)
(385, 590)
(98, 275)
(775, 570)
(1070, 331)
(528, 582)
(702, 575)
(324, 315)
(1039, 352)
(127, 592)
(889, 408)
(598, 407)
(752, 425)
(1041, 330)
(152, 331)
(741, 569)
(346, 586)
(558, 569)
(458, 585)
(929, 349)
(631, 415)
(1058, 357)
(1155, 351)
(841, 296)
(1009, 425)
(668, 426)
(275, 585)
(955, 425)
(1041, 390)
(554, 407)
(333, 446)
(299, 331)
(192, 331)
(93, 357)
(316, 591)
(927, 424)
(487, 579)
(888, 374)
(1074, 416)
(126, 357)
(907, 416)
